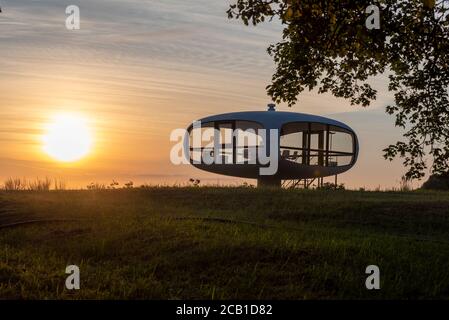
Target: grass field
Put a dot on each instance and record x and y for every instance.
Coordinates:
(159, 243)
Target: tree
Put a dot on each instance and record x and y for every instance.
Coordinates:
(327, 46)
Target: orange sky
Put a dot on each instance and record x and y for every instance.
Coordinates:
(139, 69)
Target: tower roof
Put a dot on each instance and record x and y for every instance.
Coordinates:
(273, 120)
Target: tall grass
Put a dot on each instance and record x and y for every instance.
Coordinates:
(15, 184)
(18, 184)
(96, 186)
(40, 185)
(47, 184)
(60, 185)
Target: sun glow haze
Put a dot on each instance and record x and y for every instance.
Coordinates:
(67, 138)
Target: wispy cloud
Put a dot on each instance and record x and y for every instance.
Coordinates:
(139, 68)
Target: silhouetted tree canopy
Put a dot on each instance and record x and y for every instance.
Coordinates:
(326, 46)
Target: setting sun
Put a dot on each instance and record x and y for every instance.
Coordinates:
(67, 138)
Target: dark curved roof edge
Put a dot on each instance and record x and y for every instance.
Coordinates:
(273, 119)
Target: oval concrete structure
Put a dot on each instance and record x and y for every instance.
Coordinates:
(308, 146)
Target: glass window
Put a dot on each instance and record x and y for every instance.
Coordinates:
(226, 142)
(248, 139)
(340, 140)
(234, 146)
(201, 140)
(341, 146)
(293, 141)
(316, 144)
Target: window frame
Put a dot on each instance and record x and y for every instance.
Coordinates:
(216, 125)
(306, 150)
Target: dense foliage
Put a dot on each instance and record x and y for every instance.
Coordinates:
(327, 46)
